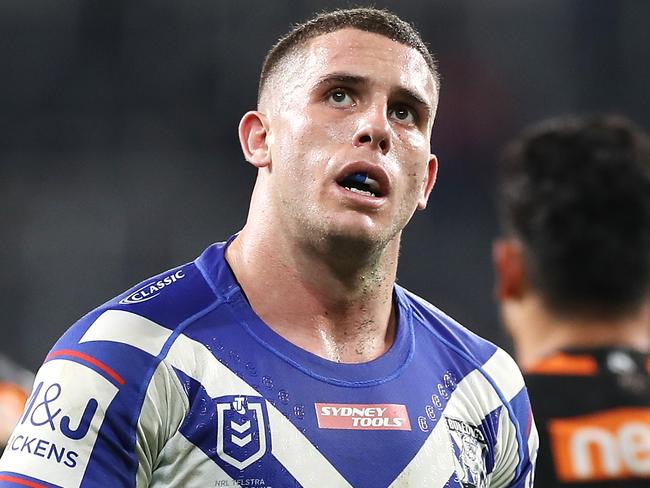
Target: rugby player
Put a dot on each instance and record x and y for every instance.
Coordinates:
(573, 281)
(287, 355)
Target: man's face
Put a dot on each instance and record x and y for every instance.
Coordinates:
(349, 124)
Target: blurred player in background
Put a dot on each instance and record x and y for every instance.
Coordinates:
(573, 281)
(15, 384)
(288, 356)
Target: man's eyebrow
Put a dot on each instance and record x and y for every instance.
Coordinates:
(340, 77)
(414, 99)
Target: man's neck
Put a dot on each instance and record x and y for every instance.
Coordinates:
(307, 298)
(537, 332)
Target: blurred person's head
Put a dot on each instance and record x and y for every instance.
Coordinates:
(574, 205)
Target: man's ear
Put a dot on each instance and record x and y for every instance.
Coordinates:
(509, 269)
(253, 134)
(429, 181)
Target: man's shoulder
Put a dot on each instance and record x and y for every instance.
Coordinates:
(445, 328)
(480, 374)
(477, 353)
(169, 298)
(155, 310)
(106, 370)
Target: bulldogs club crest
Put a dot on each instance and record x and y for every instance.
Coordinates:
(242, 434)
(470, 452)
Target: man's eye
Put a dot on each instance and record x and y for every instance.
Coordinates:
(340, 98)
(404, 115)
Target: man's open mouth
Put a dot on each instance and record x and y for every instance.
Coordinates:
(362, 184)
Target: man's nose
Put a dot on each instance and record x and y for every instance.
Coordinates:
(374, 130)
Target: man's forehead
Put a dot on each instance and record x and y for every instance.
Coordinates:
(355, 44)
(360, 52)
(365, 54)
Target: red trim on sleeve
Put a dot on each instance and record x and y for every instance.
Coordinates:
(20, 481)
(95, 362)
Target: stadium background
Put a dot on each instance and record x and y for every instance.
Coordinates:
(119, 155)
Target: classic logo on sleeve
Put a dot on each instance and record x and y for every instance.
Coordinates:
(152, 289)
(378, 416)
(470, 451)
(605, 446)
(56, 434)
(242, 430)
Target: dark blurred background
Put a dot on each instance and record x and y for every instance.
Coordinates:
(119, 151)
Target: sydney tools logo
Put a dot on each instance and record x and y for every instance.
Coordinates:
(362, 417)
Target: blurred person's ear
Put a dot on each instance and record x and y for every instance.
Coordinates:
(508, 258)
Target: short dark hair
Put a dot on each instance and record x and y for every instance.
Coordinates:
(377, 21)
(576, 193)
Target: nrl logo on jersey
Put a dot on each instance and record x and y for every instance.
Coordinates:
(470, 453)
(242, 433)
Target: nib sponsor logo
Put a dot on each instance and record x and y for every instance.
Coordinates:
(386, 416)
(152, 289)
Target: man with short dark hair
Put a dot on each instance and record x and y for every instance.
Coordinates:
(573, 281)
(287, 355)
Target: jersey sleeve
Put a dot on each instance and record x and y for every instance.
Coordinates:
(517, 440)
(97, 415)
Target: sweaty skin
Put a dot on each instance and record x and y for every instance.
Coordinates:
(318, 262)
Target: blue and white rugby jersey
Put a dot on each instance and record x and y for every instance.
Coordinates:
(178, 383)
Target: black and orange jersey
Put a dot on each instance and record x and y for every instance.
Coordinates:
(592, 409)
(15, 383)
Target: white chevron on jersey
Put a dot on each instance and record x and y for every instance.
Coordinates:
(169, 474)
(289, 445)
(163, 411)
(505, 373)
(292, 449)
(431, 466)
(503, 369)
(502, 478)
(533, 442)
(128, 328)
(441, 464)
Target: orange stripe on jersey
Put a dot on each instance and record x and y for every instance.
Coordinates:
(12, 395)
(12, 402)
(566, 364)
(647, 365)
(609, 445)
